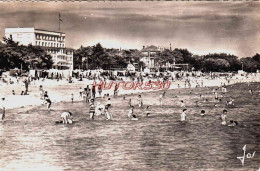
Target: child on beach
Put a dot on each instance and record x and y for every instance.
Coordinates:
(100, 107)
(2, 108)
(183, 115)
(66, 117)
(182, 104)
(80, 92)
(42, 95)
(47, 100)
(92, 110)
(223, 117)
(140, 101)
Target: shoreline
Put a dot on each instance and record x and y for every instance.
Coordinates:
(61, 91)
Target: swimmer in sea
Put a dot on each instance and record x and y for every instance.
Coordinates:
(107, 114)
(182, 104)
(66, 117)
(72, 97)
(148, 112)
(92, 110)
(131, 114)
(183, 115)
(223, 117)
(108, 102)
(202, 113)
(130, 102)
(233, 123)
(196, 104)
(131, 111)
(161, 98)
(140, 101)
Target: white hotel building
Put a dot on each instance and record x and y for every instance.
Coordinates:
(53, 42)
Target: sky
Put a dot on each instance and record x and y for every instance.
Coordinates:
(201, 27)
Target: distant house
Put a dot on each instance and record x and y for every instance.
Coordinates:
(150, 56)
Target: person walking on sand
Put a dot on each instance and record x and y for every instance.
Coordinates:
(26, 84)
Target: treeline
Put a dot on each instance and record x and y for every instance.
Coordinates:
(93, 57)
(13, 55)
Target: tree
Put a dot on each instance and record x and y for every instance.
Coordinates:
(13, 55)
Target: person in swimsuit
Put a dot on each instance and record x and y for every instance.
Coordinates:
(92, 110)
(223, 117)
(47, 100)
(183, 115)
(202, 113)
(2, 108)
(161, 98)
(140, 101)
(148, 112)
(107, 114)
(66, 117)
(182, 104)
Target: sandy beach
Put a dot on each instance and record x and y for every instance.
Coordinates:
(61, 91)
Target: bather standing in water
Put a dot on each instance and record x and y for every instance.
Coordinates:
(223, 117)
(66, 117)
(2, 108)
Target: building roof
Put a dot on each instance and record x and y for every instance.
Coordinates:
(48, 31)
(151, 48)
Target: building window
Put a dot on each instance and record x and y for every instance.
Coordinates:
(42, 44)
(19, 35)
